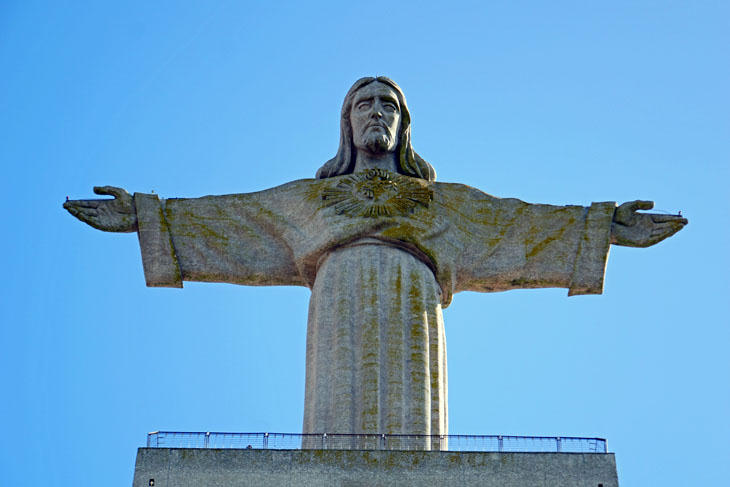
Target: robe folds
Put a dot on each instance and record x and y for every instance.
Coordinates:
(382, 253)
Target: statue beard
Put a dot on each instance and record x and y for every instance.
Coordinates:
(379, 143)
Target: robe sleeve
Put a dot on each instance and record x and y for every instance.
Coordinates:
(512, 245)
(235, 239)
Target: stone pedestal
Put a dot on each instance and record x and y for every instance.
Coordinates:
(193, 467)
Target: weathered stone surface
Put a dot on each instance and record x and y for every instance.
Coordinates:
(376, 350)
(158, 258)
(308, 468)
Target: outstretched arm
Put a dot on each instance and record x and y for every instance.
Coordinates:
(516, 245)
(632, 229)
(237, 239)
(115, 215)
(510, 244)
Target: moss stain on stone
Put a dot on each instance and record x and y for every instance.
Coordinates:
(537, 248)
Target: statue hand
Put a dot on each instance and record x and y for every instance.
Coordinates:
(116, 215)
(633, 229)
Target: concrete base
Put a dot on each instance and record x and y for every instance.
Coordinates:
(194, 467)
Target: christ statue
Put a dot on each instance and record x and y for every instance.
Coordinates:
(383, 248)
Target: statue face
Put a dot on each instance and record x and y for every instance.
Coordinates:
(375, 118)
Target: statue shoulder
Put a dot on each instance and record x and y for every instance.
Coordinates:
(292, 188)
(465, 194)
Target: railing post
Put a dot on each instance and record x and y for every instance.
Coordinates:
(500, 443)
(441, 442)
(382, 441)
(154, 434)
(206, 442)
(324, 441)
(266, 441)
(558, 443)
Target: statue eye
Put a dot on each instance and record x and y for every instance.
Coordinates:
(363, 105)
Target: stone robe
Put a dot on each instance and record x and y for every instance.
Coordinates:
(383, 254)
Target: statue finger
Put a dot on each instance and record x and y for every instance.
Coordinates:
(78, 206)
(641, 205)
(657, 218)
(86, 215)
(88, 212)
(68, 204)
(71, 209)
(626, 213)
(664, 230)
(660, 229)
(83, 203)
(110, 191)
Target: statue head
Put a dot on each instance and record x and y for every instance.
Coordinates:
(408, 162)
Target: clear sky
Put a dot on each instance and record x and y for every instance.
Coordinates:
(553, 102)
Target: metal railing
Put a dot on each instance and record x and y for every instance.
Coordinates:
(326, 441)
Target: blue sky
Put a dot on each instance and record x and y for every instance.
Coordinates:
(551, 102)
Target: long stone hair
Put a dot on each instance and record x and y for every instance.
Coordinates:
(409, 163)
